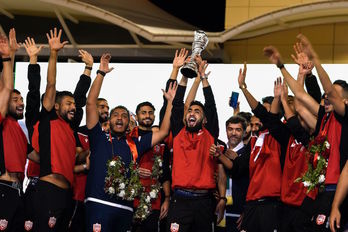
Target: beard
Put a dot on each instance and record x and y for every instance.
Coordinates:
(103, 119)
(146, 125)
(15, 115)
(195, 128)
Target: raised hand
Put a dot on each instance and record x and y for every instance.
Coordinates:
(4, 46)
(14, 46)
(302, 60)
(306, 46)
(203, 65)
(180, 58)
(54, 40)
(277, 87)
(170, 94)
(284, 94)
(273, 55)
(86, 57)
(104, 63)
(242, 75)
(31, 48)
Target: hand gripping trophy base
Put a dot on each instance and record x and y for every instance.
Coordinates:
(200, 42)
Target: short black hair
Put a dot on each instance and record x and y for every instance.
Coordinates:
(101, 99)
(146, 103)
(344, 86)
(16, 91)
(268, 100)
(120, 107)
(198, 103)
(61, 94)
(237, 119)
(246, 116)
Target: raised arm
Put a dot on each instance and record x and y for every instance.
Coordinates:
(275, 106)
(159, 136)
(82, 88)
(324, 78)
(178, 62)
(242, 85)
(92, 117)
(275, 58)
(14, 46)
(32, 107)
(6, 82)
(55, 45)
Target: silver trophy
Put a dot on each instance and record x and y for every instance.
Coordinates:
(200, 42)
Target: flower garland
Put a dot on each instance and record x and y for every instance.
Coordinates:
(121, 181)
(125, 183)
(147, 197)
(318, 151)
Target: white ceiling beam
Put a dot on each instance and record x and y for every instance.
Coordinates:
(65, 28)
(136, 39)
(70, 17)
(6, 13)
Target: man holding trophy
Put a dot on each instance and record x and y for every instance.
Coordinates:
(192, 205)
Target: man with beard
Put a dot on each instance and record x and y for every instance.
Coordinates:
(105, 212)
(13, 146)
(145, 117)
(238, 184)
(54, 140)
(247, 133)
(192, 204)
(255, 126)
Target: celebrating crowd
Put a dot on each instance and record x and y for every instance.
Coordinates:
(283, 167)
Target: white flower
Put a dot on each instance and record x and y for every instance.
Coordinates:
(122, 193)
(148, 199)
(111, 190)
(132, 191)
(327, 144)
(145, 207)
(121, 186)
(153, 194)
(326, 164)
(160, 163)
(321, 179)
(112, 163)
(318, 157)
(306, 183)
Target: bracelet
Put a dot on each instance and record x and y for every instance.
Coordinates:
(166, 196)
(204, 77)
(223, 198)
(6, 59)
(88, 67)
(84, 166)
(101, 73)
(280, 66)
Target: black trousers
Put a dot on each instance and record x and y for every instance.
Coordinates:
(52, 207)
(261, 216)
(294, 219)
(322, 210)
(29, 207)
(150, 224)
(78, 218)
(11, 207)
(191, 214)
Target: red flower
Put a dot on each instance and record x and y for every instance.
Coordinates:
(320, 139)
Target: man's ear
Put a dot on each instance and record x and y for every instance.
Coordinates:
(205, 120)
(56, 106)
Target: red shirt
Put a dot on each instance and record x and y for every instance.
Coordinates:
(15, 145)
(146, 162)
(80, 179)
(264, 168)
(296, 163)
(333, 131)
(34, 168)
(193, 167)
(59, 145)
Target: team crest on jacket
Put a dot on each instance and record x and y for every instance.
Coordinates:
(52, 222)
(320, 219)
(28, 225)
(174, 227)
(96, 227)
(3, 224)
